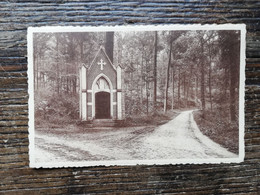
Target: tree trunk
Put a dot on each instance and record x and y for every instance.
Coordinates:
(202, 77)
(188, 90)
(232, 92)
(210, 95)
(179, 85)
(184, 90)
(34, 70)
(189, 86)
(167, 79)
(172, 87)
(141, 86)
(58, 67)
(147, 97)
(147, 88)
(202, 86)
(155, 73)
(37, 73)
(226, 82)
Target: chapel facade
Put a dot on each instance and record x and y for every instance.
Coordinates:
(101, 89)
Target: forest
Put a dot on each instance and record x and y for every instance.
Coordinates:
(163, 71)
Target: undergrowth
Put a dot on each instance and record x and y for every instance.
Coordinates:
(217, 126)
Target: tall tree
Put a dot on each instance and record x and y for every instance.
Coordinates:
(211, 37)
(173, 86)
(202, 42)
(155, 72)
(229, 44)
(40, 47)
(171, 39)
(167, 76)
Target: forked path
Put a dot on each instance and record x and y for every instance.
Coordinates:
(181, 138)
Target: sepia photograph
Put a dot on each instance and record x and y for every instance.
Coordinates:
(128, 95)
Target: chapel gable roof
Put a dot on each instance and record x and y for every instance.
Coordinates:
(102, 51)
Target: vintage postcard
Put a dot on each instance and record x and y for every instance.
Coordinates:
(128, 95)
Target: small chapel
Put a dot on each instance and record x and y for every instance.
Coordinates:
(100, 93)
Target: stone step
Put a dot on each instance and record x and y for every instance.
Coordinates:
(103, 123)
(87, 124)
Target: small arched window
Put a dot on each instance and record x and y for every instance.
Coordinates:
(101, 85)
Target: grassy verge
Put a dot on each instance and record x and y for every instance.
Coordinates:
(57, 121)
(219, 129)
(158, 118)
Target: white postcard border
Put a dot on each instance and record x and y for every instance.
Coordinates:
(173, 27)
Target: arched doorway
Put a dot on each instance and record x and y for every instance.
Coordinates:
(102, 100)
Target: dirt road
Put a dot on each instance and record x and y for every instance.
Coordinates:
(180, 138)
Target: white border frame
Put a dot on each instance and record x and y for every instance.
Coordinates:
(31, 30)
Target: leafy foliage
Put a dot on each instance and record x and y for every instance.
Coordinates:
(219, 128)
(56, 110)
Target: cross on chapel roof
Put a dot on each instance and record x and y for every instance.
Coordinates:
(102, 61)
